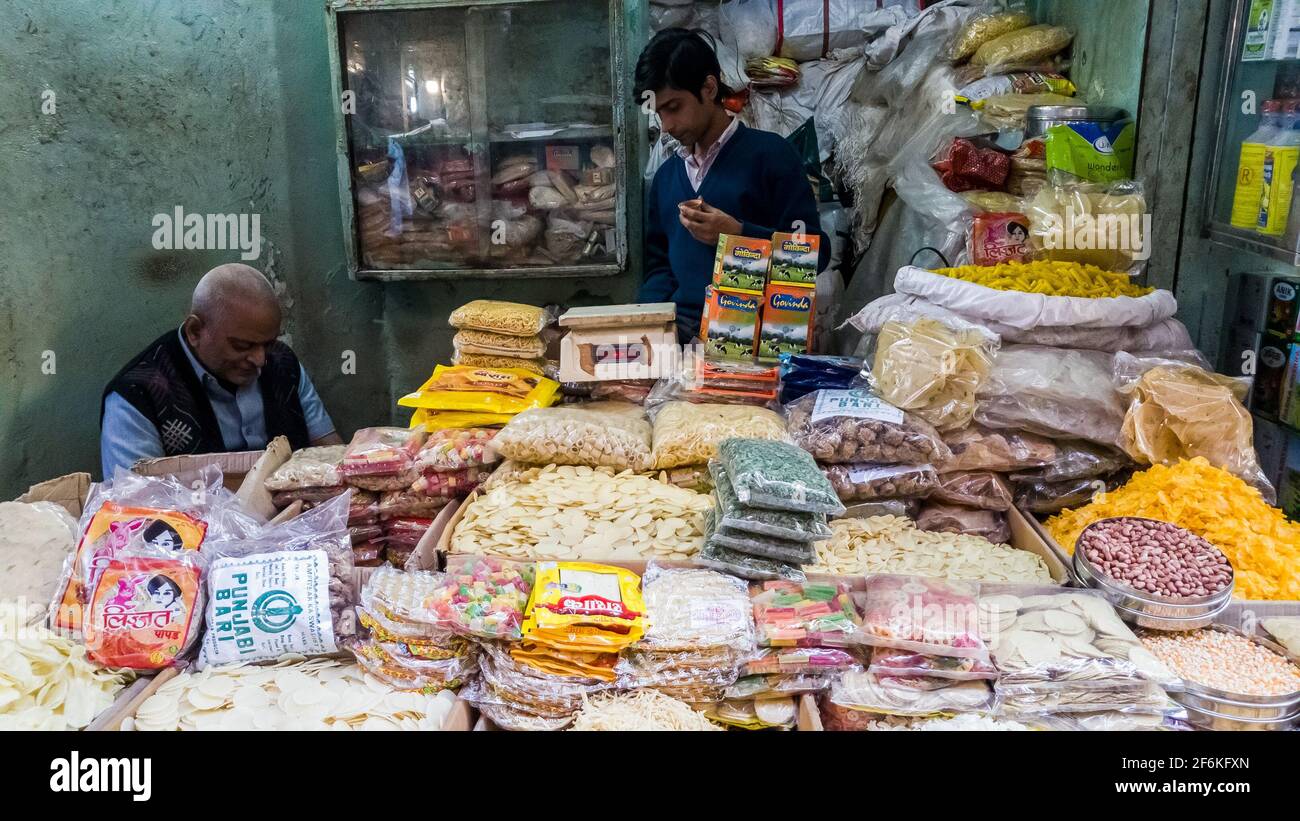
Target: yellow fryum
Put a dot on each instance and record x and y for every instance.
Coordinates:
(1263, 547)
(1047, 277)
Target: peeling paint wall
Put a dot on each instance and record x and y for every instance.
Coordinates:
(218, 106)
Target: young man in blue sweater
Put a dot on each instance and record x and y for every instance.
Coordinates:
(726, 178)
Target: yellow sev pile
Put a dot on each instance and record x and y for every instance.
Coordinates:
(1262, 545)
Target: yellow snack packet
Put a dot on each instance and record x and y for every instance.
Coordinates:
(584, 606)
(433, 421)
(485, 390)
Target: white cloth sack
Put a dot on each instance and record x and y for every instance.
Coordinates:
(809, 33)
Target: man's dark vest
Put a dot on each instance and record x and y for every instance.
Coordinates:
(161, 384)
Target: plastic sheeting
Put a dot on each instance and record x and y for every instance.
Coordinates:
(809, 28)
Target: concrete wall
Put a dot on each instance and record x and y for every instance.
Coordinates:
(218, 106)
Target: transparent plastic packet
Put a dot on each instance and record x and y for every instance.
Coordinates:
(405, 531)
(888, 663)
(596, 434)
(165, 511)
(799, 660)
(902, 508)
(636, 391)
(453, 484)
(364, 533)
(978, 488)
(397, 503)
(456, 449)
(765, 547)
(535, 365)
(1073, 203)
(1076, 460)
(1062, 638)
(777, 475)
(457, 663)
(307, 495)
(637, 668)
(380, 483)
(1053, 497)
(480, 596)
(932, 367)
(521, 686)
(364, 508)
(870, 482)
(451, 676)
(801, 374)
(299, 573)
(511, 318)
(855, 425)
(312, 467)
(945, 518)
(1177, 410)
(487, 343)
(745, 565)
(769, 712)
(931, 616)
(687, 433)
(1022, 45)
(1054, 392)
(369, 553)
(811, 614)
(1145, 699)
(718, 383)
(778, 524)
(791, 684)
(980, 448)
(691, 609)
(510, 718)
(988, 23)
(861, 690)
(381, 451)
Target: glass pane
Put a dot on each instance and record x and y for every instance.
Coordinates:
(411, 146)
(549, 112)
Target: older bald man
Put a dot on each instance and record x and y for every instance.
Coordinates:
(221, 382)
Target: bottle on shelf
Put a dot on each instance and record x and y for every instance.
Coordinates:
(1281, 155)
(1250, 167)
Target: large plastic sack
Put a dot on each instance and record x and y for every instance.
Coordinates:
(1023, 310)
(1180, 411)
(807, 29)
(821, 93)
(1054, 392)
(1167, 334)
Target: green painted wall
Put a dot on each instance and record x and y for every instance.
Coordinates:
(218, 106)
(1110, 38)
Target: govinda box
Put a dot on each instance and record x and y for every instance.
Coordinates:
(729, 325)
(794, 259)
(741, 263)
(787, 320)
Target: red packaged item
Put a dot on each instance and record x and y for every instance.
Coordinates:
(930, 616)
(145, 613)
(964, 166)
(451, 484)
(458, 448)
(406, 531)
(999, 237)
(368, 554)
(381, 451)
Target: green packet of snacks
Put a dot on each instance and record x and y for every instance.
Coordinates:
(765, 547)
(778, 524)
(777, 476)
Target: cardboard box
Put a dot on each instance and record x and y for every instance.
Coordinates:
(1251, 295)
(69, 491)
(794, 259)
(632, 352)
(741, 263)
(1271, 360)
(787, 322)
(1284, 308)
(729, 325)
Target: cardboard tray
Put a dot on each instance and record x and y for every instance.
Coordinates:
(1040, 532)
(69, 491)
(460, 719)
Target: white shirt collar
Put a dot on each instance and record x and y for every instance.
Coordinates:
(688, 153)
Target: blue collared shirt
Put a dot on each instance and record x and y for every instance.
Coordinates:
(127, 436)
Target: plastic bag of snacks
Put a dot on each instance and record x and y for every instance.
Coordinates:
(597, 434)
(451, 484)
(983, 27)
(1053, 497)
(767, 547)
(868, 482)
(1180, 411)
(980, 489)
(777, 475)
(861, 690)
(1053, 392)
(432, 421)
(930, 616)
(745, 565)
(887, 663)
(309, 468)
(801, 374)
(932, 368)
(695, 609)
(363, 508)
(368, 554)
(789, 614)
(1056, 205)
(406, 531)
(482, 390)
(686, 433)
(457, 449)
(411, 503)
(298, 575)
(798, 661)
(309, 496)
(1023, 45)
(840, 426)
(779, 524)
(987, 524)
(481, 597)
(497, 362)
(485, 343)
(624, 390)
(381, 452)
(978, 448)
(510, 318)
(1076, 460)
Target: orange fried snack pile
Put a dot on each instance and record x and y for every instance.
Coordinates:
(1263, 547)
(579, 617)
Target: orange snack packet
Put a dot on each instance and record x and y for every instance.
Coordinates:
(144, 612)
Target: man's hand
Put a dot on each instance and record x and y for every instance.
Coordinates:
(705, 222)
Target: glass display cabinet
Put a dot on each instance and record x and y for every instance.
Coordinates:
(481, 138)
(1251, 191)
